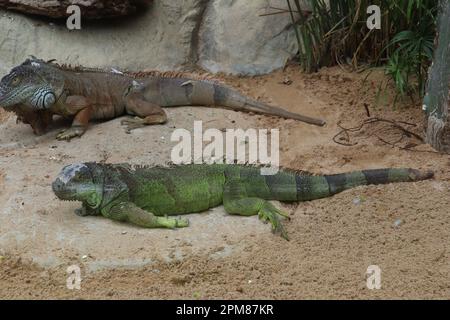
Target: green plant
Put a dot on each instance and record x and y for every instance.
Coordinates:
(337, 34)
(413, 53)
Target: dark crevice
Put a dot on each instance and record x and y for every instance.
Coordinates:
(195, 37)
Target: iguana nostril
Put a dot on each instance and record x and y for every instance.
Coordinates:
(57, 185)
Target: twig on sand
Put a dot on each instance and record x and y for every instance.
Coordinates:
(343, 136)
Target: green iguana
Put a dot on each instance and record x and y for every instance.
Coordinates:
(91, 94)
(145, 196)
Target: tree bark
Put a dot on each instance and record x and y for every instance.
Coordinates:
(90, 9)
(437, 99)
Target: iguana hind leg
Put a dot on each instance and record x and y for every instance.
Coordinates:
(129, 212)
(147, 113)
(235, 202)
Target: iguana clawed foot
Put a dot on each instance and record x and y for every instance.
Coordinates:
(133, 123)
(173, 223)
(137, 122)
(71, 133)
(269, 213)
(182, 223)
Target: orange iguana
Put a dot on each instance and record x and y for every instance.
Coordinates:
(36, 90)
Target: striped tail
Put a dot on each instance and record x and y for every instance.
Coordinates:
(173, 92)
(234, 100)
(316, 187)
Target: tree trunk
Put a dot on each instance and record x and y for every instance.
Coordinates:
(437, 99)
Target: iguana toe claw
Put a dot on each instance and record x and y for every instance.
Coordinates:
(284, 214)
(264, 218)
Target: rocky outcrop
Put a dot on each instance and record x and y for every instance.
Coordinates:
(236, 37)
(90, 9)
(231, 36)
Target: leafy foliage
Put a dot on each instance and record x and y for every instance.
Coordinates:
(338, 34)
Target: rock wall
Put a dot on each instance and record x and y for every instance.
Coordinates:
(219, 35)
(235, 38)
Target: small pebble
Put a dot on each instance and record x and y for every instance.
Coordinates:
(397, 223)
(359, 200)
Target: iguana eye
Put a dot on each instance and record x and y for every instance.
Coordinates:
(15, 81)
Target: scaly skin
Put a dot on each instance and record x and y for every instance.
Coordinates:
(39, 121)
(146, 195)
(83, 95)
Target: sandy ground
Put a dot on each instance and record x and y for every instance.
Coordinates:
(402, 228)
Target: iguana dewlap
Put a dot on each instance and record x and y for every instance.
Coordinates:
(85, 95)
(146, 195)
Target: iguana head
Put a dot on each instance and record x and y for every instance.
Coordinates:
(79, 182)
(34, 83)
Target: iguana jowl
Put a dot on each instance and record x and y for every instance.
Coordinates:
(146, 195)
(87, 94)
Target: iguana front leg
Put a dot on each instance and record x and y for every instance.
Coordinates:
(235, 201)
(129, 212)
(82, 109)
(147, 113)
